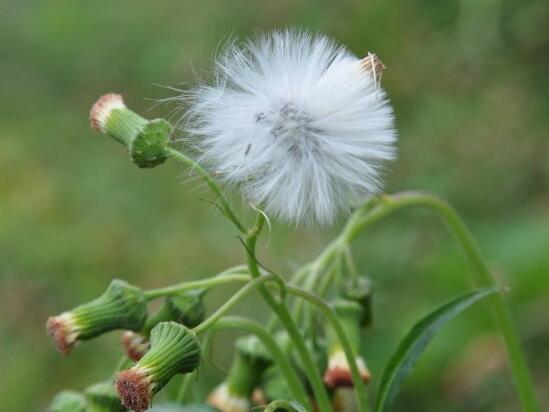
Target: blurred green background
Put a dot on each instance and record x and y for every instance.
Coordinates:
(468, 79)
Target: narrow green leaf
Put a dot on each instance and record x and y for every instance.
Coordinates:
(412, 346)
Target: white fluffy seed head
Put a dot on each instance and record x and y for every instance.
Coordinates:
(297, 123)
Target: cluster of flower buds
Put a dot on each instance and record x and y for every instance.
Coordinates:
(249, 364)
(174, 349)
(187, 309)
(338, 372)
(146, 140)
(121, 306)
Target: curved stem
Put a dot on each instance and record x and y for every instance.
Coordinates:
(359, 387)
(481, 274)
(196, 284)
(294, 383)
(237, 297)
(280, 309)
(210, 181)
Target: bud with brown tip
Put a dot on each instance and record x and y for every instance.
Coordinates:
(234, 395)
(146, 140)
(187, 309)
(174, 349)
(338, 372)
(121, 306)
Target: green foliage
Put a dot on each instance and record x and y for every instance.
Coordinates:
(415, 342)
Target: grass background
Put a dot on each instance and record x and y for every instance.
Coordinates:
(468, 80)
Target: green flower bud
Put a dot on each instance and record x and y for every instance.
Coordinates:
(338, 373)
(274, 385)
(361, 290)
(174, 349)
(251, 360)
(135, 345)
(102, 397)
(121, 306)
(224, 400)
(187, 309)
(317, 349)
(146, 140)
(68, 401)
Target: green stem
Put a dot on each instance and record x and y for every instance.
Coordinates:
(359, 387)
(210, 181)
(266, 338)
(237, 297)
(280, 309)
(196, 284)
(481, 274)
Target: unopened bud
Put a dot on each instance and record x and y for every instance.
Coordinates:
(338, 372)
(224, 400)
(135, 345)
(361, 291)
(102, 397)
(174, 349)
(187, 309)
(274, 385)
(251, 360)
(68, 401)
(146, 140)
(121, 306)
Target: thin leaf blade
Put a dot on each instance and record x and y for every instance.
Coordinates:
(415, 342)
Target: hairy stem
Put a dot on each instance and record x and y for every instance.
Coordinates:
(196, 284)
(237, 297)
(210, 181)
(280, 309)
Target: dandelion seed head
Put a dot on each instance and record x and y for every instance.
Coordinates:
(297, 123)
